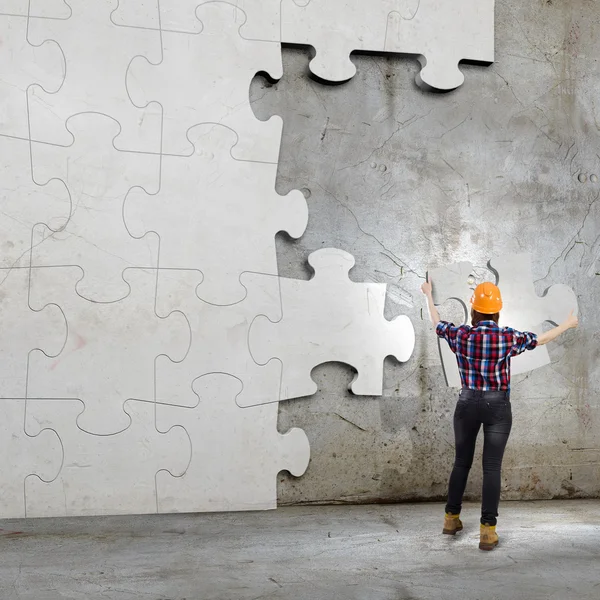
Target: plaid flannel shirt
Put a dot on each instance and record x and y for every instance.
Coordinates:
(483, 353)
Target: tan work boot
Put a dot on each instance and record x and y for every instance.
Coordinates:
(452, 524)
(488, 538)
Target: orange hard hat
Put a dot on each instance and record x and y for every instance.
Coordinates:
(487, 299)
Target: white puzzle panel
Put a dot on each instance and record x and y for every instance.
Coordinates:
(25, 456)
(219, 336)
(205, 77)
(440, 33)
(107, 474)
(216, 214)
(330, 318)
(110, 350)
(237, 453)
(97, 54)
(98, 178)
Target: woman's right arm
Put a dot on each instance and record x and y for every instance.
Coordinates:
(571, 323)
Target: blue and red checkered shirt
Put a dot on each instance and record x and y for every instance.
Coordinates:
(484, 352)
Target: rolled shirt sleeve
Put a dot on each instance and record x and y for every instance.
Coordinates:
(523, 340)
(449, 332)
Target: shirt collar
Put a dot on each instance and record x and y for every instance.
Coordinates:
(489, 324)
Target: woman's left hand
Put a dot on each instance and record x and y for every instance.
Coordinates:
(427, 288)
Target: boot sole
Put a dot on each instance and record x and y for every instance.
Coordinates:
(487, 547)
(451, 531)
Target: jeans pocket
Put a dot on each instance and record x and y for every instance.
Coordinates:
(461, 409)
(501, 411)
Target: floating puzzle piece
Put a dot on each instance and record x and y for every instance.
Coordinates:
(453, 282)
(23, 64)
(217, 215)
(23, 203)
(24, 457)
(46, 9)
(97, 54)
(219, 336)
(524, 310)
(205, 78)
(23, 330)
(104, 475)
(236, 453)
(442, 34)
(98, 177)
(330, 318)
(111, 348)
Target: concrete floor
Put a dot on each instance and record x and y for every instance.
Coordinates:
(549, 551)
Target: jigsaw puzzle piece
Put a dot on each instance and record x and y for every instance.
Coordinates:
(442, 34)
(23, 203)
(45, 9)
(236, 453)
(24, 457)
(206, 77)
(219, 336)
(98, 177)
(23, 64)
(335, 28)
(104, 475)
(23, 330)
(524, 310)
(216, 214)
(331, 318)
(110, 350)
(97, 54)
(453, 282)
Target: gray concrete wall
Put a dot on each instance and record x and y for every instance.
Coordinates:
(405, 180)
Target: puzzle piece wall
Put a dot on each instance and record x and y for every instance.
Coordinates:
(138, 262)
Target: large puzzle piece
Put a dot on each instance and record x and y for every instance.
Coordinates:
(440, 32)
(217, 214)
(453, 282)
(23, 203)
(219, 337)
(98, 177)
(21, 65)
(330, 318)
(111, 348)
(114, 474)
(97, 54)
(24, 457)
(23, 330)
(237, 453)
(522, 309)
(206, 77)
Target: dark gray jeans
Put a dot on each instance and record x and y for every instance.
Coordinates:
(493, 411)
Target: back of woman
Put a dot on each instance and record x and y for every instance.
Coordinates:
(483, 352)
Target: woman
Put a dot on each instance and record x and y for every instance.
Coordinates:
(483, 352)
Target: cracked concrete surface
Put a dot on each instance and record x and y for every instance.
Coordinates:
(405, 180)
(547, 551)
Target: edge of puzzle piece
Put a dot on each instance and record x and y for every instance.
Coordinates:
(347, 311)
(242, 475)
